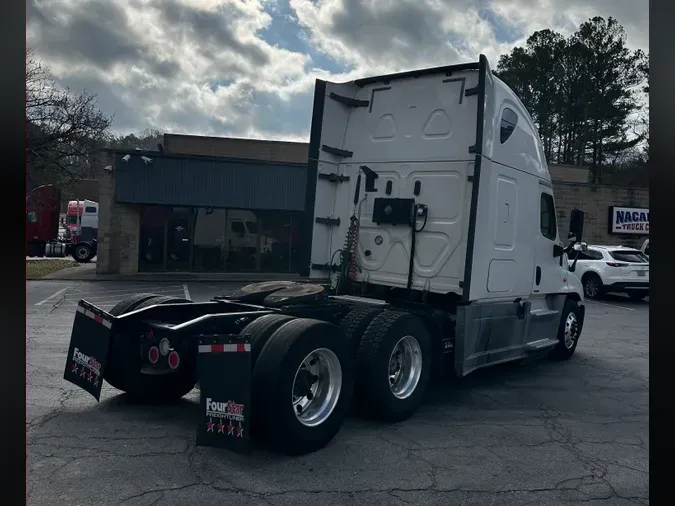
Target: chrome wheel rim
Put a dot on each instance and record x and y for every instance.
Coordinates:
(316, 387)
(591, 288)
(571, 330)
(81, 252)
(405, 367)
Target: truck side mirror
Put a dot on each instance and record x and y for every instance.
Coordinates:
(576, 225)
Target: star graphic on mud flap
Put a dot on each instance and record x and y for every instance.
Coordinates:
(221, 427)
(230, 428)
(96, 382)
(74, 368)
(90, 377)
(240, 431)
(83, 371)
(209, 426)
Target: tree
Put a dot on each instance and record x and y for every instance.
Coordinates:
(65, 129)
(146, 140)
(582, 91)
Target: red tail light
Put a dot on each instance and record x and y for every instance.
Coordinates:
(173, 360)
(616, 264)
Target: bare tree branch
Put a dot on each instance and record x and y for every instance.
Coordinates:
(65, 129)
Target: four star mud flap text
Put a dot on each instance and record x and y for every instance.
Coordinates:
(224, 368)
(88, 350)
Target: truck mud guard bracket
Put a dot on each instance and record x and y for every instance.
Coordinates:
(348, 101)
(326, 267)
(343, 153)
(89, 345)
(224, 369)
(328, 221)
(333, 177)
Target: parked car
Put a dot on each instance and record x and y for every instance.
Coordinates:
(645, 249)
(618, 269)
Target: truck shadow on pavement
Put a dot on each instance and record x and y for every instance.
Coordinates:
(525, 387)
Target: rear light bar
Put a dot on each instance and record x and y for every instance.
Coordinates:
(617, 264)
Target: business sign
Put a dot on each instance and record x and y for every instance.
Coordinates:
(628, 220)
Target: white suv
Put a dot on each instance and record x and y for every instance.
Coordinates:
(605, 269)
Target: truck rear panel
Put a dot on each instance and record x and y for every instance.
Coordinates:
(418, 132)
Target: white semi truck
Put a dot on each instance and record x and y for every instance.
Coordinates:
(434, 216)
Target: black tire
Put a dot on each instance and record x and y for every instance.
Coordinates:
(260, 330)
(375, 395)
(161, 299)
(123, 368)
(355, 323)
(592, 284)
(83, 252)
(274, 417)
(564, 350)
(129, 304)
(637, 295)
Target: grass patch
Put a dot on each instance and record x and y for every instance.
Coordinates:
(36, 269)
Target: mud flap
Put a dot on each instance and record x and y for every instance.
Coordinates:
(224, 368)
(88, 351)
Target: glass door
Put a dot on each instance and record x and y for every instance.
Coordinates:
(178, 239)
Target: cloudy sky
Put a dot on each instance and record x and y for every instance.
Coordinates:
(246, 68)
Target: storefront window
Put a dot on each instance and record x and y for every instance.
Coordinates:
(209, 237)
(151, 240)
(217, 240)
(242, 241)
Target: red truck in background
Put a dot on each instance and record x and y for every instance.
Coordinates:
(43, 206)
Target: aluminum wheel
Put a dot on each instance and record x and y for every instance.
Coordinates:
(316, 387)
(592, 287)
(571, 330)
(405, 367)
(82, 252)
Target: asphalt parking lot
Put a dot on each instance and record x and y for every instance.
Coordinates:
(539, 433)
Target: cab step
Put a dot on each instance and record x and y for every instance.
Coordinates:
(540, 344)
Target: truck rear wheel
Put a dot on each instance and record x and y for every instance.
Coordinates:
(83, 252)
(355, 323)
(302, 385)
(260, 330)
(123, 369)
(129, 304)
(393, 366)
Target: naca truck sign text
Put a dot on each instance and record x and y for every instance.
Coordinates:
(628, 220)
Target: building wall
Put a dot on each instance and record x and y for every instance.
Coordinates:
(255, 149)
(205, 181)
(595, 201)
(118, 227)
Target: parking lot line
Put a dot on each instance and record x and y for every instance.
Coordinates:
(53, 296)
(186, 292)
(117, 297)
(610, 305)
(130, 290)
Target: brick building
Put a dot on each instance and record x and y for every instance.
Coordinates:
(218, 204)
(572, 190)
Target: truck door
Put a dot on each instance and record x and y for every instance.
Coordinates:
(547, 271)
(544, 310)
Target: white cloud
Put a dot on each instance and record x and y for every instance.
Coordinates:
(211, 66)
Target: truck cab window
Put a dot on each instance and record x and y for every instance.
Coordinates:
(238, 227)
(509, 122)
(547, 220)
(32, 217)
(90, 209)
